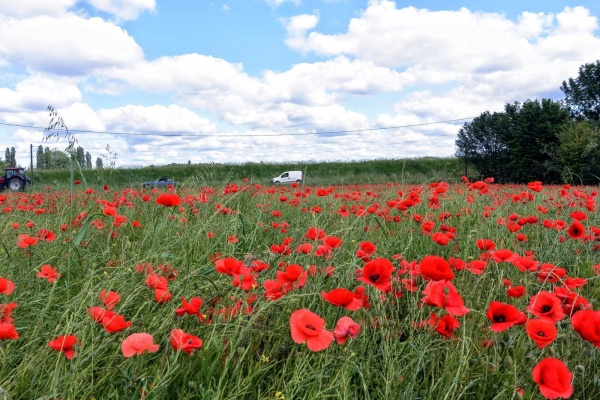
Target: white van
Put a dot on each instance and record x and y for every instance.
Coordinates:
(288, 177)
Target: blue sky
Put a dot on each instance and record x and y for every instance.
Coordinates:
(163, 81)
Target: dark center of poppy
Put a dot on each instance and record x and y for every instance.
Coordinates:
(373, 278)
(499, 318)
(541, 333)
(546, 308)
(312, 328)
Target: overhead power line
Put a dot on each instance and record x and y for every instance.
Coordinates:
(245, 135)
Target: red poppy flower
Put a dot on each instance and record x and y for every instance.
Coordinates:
(503, 255)
(378, 273)
(546, 306)
(307, 327)
(109, 299)
(441, 238)
(503, 316)
(47, 235)
(191, 308)
(445, 325)
(541, 332)
(315, 233)
(576, 230)
(322, 251)
(443, 294)
(162, 296)
(168, 199)
(435, 268)
(366, 250)
(8, 331)
(26, 241)
(550, 273)
(48, 272)
(6, 286)
(345, 329)
(98, 313)
(305, 248)
(114, 322)
(231, 266)
(476, 266)
(553, 378)
(525, 264)
(183, 341)
(516, 292)
(578, 215)
(485, 244)
(65, 344)
(294, 276)
(6, 311)
(137, 343)
(587, 324)
(332, 242)
(155, 281)
(342, 298)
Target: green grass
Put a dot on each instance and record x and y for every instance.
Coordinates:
(252, 355)
(415, 170)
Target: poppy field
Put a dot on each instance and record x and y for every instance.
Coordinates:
(470, 290)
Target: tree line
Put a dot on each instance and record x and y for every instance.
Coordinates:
(57, 159)
(540, 140)
(54, 159)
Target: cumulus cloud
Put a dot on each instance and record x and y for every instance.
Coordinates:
(66, 45)
(28, 8)
(124, 9)
(38, 91)
(155, 119)
(461, 42)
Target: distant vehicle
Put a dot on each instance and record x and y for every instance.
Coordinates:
(14, 179)
(160, 182)
(288, 177)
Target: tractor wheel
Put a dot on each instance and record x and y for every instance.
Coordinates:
(16, 185)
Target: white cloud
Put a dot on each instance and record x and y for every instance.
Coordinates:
(28, 8)
(68, 45)
(124, 9)
(454, 43)
(155, 119)
(277, 3)
(36, 92)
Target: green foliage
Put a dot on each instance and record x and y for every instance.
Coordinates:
(579, 153)
(532, 140)
(517, 145)
(417, 170)
(482, 142)
(582, 94)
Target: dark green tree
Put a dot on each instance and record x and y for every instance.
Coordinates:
(481, 143)
(39, 158)
(7, 156)
(517, 145)
(582, 94)
(579, 153)
(13, 157)
(99, 163)
(533, 140)
(88, 160)
(80, 156)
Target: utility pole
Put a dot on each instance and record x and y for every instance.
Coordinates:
(31, 155)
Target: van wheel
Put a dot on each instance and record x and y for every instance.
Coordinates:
(299, 181)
